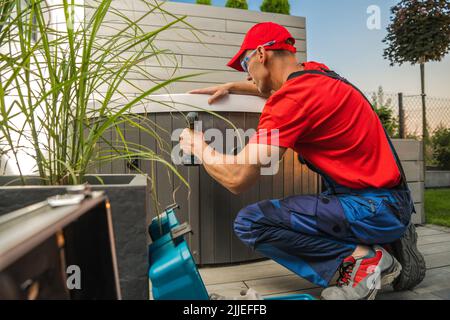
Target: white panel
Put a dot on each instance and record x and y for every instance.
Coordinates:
(187, 35)
(214, 12)
(210, 50)
(243, 27)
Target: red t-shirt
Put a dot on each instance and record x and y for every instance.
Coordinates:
(331, 126)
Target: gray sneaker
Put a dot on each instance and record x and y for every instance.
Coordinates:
(361, 279)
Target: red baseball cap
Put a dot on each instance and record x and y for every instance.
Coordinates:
(260, 34)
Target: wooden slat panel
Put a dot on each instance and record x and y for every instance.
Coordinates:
(201, 49)
(200, 23)
(105, 166)
(189, 206)
(207, 216)
(117, 165)
(164, 177)
(211, 12)
(148, 142)
(288, 173)
(138, 83)
(223, 223)
(181, 195)
(305, 178)
(194, 212)
(299, 176)
(243, 27)
(278, 182)
(93, 168)
(239, 251)
(313, 184)
(235, 14)
(160, 19)
(195, 62)
(252, 195)
(133, 140)
(189, 35)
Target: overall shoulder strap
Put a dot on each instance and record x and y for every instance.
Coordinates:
(334, 75)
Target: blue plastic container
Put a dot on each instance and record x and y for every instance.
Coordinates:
(172, 271)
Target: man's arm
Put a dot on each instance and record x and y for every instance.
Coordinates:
(236, 173)
(241, 87)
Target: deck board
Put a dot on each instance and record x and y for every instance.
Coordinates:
(271, 279)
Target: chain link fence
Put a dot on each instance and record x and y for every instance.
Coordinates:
(402, 116)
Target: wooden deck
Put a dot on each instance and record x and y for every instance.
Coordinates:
(271, 279)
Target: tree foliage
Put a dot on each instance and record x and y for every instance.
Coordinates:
(276, 6)
(239, 4)
(419, 32)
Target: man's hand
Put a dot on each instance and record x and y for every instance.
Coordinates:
(217, 92)
(192, 142)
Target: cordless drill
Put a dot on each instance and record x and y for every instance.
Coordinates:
(189, 159)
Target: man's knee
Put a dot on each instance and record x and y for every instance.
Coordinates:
(248, 223)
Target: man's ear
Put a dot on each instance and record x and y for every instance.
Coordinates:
(262, 54)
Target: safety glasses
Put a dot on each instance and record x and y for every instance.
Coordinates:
(244, 62)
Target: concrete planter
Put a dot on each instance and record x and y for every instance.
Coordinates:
(411, 156)
(128, 195)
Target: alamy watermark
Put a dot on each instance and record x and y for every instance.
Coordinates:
(374, 19)
(230, 143)
(73, 277)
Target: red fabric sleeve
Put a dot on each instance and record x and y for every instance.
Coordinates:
(283, 123)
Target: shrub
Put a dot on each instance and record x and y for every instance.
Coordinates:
(276, 6)
(239, 4)
(206, 2)
(441, 147)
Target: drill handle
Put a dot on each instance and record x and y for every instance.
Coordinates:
(190, 160)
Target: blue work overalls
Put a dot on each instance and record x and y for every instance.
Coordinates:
(312, 234)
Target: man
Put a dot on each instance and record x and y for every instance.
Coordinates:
(333, 128)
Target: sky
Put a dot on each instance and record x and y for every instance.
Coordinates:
(337, 35)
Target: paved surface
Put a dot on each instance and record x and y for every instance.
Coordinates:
(271, 279)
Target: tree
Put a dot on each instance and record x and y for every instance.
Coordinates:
(207, 2)
(239, 4)
(385, 112)
(419, 33)
(276, 6)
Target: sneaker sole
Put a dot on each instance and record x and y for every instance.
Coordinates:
(392, 274)
(412, 262)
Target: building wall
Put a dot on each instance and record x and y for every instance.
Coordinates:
(217, 38)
